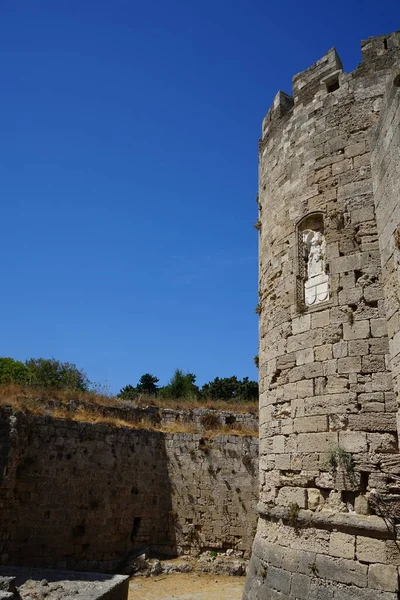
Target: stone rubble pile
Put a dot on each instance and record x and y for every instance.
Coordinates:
(230, 562)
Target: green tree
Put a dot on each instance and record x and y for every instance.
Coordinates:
(248, 390)
(128, 393)
(51, 373)
(181, 385)
(225, 388)
(230, 388)
(13, 371)
(148, 384)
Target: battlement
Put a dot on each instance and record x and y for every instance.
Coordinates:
(379, 45)
(326, 75)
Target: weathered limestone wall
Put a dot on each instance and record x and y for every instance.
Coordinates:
(86, 496)
(386, 180)
(328, 432)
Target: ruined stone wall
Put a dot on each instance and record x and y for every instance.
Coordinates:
(87, 496)
(328, 432)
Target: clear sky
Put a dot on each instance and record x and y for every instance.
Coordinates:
(128, 169)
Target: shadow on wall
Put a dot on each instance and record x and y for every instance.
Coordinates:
(81, 496)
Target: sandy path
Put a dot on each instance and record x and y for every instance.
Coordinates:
(186, 586)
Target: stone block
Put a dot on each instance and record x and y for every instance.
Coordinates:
(383, 577)
(356, 150)
(380, 382)
(382, 442)
(287, 361)
(292, 495)
(278, 579)
(314, 498)
(335, 384)
(300, 587)
(370, 550)
(309, 339)
(320, 319)
(351, 262)
(342, 570)
(323, 352)
(353, 441)
(304, 389)
(332, 334)
(301, 324)
(320, 591)
(282, 461)
(358, 347)
(350, 364)
(379, 345)
(350, 592)
(297, 561)
(337, 422)
(342, 545)
(341, 166)
(361, 505)
(330, 367)
(310, 424)
(358, 330)
(373, 422)
(373, 363)
(304, 356)
(278, 444)
(364, 213)
(340, 350)
(316, 442)
(350, 296)
(267, 551)
(332, 404)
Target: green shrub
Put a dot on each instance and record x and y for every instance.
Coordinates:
(13, 371)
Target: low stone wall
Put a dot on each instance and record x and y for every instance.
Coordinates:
(89, 496)
(50, 584)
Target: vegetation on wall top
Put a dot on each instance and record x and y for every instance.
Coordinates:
(52, 374)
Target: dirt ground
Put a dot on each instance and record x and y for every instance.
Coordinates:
(186, 586)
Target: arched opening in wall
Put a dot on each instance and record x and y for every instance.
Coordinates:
(312, 278)
(396, 81)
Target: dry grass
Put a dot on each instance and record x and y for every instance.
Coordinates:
(10, 391)
(91, 408)
(235, 429)
(250, 406)
(178, 427)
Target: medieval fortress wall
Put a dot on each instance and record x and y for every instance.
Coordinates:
(329, 211)
(90, 496)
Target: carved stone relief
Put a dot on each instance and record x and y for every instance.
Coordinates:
(316, 282)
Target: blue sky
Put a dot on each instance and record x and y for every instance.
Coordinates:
(128, 168)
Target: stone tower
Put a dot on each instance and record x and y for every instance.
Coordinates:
(329, 293)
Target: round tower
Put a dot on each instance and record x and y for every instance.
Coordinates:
(329, 463)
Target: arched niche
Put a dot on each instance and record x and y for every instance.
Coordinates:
(312, 279)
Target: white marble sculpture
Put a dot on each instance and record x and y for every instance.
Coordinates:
(316, 286)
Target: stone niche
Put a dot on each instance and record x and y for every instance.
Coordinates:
(313, 281)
